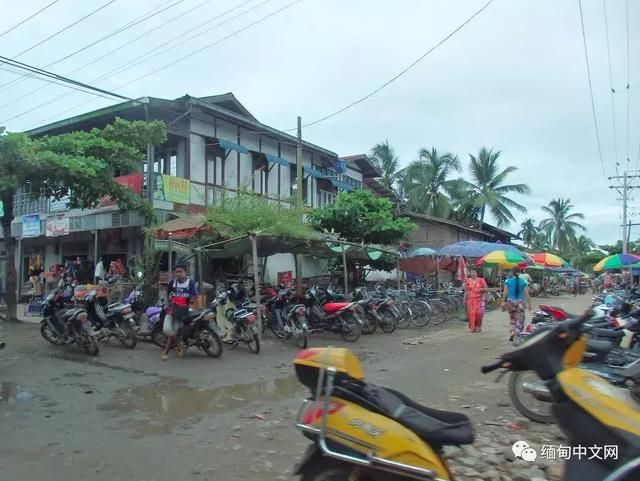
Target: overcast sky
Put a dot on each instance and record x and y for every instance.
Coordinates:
(514, 79)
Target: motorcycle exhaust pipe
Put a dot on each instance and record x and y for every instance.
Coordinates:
(537, 390)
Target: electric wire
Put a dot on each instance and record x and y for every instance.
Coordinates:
(33, 15)
(146, 16)
(593, 105)
(401, 73)
(191, 54)
(613, 91)
(73, 24)
(120, 68)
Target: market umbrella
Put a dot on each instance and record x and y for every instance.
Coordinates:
(503, 259)
(424, 251)
(616, 261)
(475, 249)
(548, 260)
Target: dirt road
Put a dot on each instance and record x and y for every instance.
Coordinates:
(128, 415)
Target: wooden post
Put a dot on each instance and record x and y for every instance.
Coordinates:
(344, 271)
(256, 280)
(437, 273)
(398, 276)
(169, 259)
(299, 201)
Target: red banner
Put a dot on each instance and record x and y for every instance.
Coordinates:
(133, 182)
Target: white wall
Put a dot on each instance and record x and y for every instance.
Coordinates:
(286, 262)
(197, 166)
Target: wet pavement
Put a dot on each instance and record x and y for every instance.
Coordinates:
(125, 414)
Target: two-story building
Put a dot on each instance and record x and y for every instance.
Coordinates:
(215, 147)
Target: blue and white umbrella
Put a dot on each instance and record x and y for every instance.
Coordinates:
(476, 249)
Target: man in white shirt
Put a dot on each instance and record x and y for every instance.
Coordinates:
(527, 278)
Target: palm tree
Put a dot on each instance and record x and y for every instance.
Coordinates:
(462, 210)
(426, 180)
(561, 225)
(387, 162)
(489, 190)
(528, 232)
(581, 249)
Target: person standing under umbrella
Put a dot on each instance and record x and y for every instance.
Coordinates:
(474, 290)
(514, 297)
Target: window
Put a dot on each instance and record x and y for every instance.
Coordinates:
(75, 223)
(325, 198)
(119, 219)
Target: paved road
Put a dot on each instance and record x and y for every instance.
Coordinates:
(127, 415)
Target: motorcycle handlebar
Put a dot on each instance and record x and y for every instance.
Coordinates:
(491, 367)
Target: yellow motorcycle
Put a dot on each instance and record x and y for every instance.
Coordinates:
(364, 432)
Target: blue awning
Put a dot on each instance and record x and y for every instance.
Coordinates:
(312, 172)
(341, 185)
(274, 159)
(225, 144)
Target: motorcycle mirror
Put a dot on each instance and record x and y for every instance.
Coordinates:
(139, 274)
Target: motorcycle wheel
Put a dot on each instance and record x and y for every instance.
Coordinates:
(89, 344)
(388, 323)
(351, 328)
(130, 338)
(254, 344)
(211, 342)
(326, 469)
(158, 337)
(302, 338)
(522, 400)
(370, 324)
(279, 333)
(48, 334)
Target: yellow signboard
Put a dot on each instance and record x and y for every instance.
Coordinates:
(172, 189)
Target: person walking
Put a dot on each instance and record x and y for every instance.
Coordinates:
(180, 293)
(474, 289)
(515, 295)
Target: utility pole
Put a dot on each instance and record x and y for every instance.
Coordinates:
(625, 200)
(299, 201)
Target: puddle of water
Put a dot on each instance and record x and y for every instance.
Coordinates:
(159, 408)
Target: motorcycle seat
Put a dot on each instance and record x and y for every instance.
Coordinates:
(435, 427)
(608, 334)
(602, 347)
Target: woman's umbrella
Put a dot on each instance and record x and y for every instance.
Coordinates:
(616, 261)
(423, 252)
(503, 259)
(547, 259)
(475, 249)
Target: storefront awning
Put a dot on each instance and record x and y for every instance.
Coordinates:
(342, 185)
(225, 144)
(274, 159)
(182, 227)
(312, 172)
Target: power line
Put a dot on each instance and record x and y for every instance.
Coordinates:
(402, 72)
(30, 68)
(142, 18)
(232, 34)
(628, 81)
(126, 65)
(613, 91)
(93, 12)
(593, 105)
(28, 18)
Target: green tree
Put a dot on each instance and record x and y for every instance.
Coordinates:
(81, 164)
(462, 210)
(425, 182)
(488, 190)
(561, 226)
(361, 217)
(528, 232)
(581, 249)
(384, 158)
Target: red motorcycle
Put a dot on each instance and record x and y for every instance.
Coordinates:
(345, 318)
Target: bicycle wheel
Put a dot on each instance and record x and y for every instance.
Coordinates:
(439, 312)
(404, 321)
(422, 313)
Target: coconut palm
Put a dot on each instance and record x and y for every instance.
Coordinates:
(488, 189)
(426, 180)
(384, 158)
(561, 226)
(462, 210)
(528, 232)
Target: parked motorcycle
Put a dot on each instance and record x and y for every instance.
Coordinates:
(244, 329)
(345, 318)
(62, 325)
(114, 320)
(149, 320)
(199, 329)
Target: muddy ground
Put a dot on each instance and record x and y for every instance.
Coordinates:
(128, 415)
